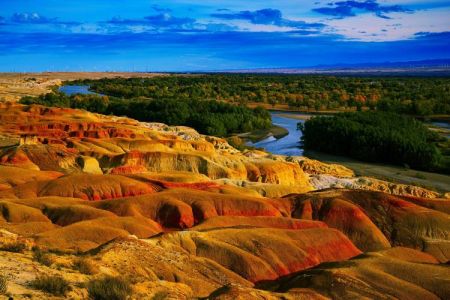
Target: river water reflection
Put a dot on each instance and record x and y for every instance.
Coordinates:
(76, 89)
(288, 145)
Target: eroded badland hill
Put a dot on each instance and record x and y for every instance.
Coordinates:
(183, 216)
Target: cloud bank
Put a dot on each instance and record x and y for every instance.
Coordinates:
(344, 9)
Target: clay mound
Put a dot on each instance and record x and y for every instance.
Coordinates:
(265, 189)
(17, 213)
(11, 176)
(14, 157)
(369, 218)
(442, 205)
(263, 253)
(162, 289)
(182, 208)
(28, 229)
(96, 187)
(410, 255)
(346, 217)
(148, 260)
(66, 215)
(43, 202)
(23, 191)
(382, 275)
(68, 224)
(87, 235)
(229, 292)
(179, 177)
(42, 157)
(264, 222)
(316, 167)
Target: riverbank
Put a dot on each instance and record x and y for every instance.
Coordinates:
(295, 116)
(255, 136)
(433, 181)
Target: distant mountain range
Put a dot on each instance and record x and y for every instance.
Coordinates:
(440, 63)
(422, 67)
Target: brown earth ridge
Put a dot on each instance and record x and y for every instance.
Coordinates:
(185, 216)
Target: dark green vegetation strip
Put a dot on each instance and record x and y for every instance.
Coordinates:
(377, 137)
(409, 95)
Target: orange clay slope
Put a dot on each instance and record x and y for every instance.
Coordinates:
(189, 216)
(374, 221)
(397, 273)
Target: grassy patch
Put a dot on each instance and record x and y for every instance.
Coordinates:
(160, 296)
(16, 247)
(85, 266)
(42, 257)
(109, 288)
(3, 285)
(420, 176)
(55, 285)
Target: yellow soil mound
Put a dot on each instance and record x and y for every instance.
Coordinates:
(182, 208)
(265, 222)
(96, 187)
(17, 213)
(371, 219)
(86, 235)
(151, 261)
(82, 186)
(382, 275)
(12, 176)
(263, 253)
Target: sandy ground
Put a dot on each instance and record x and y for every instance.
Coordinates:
(434, 181)
(261, 134)
(287, 108)
(13, 86)
(298, 116)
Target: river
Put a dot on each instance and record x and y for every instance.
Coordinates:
(287, 145)
(76, 89)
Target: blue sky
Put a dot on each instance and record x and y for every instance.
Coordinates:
(187, 35)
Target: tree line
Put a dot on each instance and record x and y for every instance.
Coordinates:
(406, 95)
(376, 137)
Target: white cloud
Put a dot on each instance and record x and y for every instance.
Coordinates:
(400, 27)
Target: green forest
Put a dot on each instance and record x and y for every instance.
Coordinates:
(208, 117)
(376, 137)
(407, 95)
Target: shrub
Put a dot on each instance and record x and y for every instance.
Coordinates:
(42, 257)
(16, 247)
(55, 285)
(420, 176)
(85, 266)
(109, 288)
(160, 296)
(3, 285)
